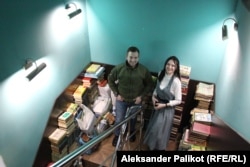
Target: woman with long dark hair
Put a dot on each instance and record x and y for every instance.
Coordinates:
(166, 96)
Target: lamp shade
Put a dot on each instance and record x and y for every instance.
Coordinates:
(73, 14)
(36, 71)
(224, 32)
(224, 28)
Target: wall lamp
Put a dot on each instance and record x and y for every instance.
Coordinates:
(37, 69)
(74, 13)
(224, 28)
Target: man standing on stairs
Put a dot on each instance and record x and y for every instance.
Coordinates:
(129, 82)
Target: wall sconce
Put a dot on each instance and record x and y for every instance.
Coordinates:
(224, 28)
(37, 69)
(74, 13)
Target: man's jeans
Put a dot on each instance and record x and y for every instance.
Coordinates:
(121, 109)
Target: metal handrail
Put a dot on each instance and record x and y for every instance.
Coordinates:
(121, 141)
(67, 158)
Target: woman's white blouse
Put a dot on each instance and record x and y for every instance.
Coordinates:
(175, 89)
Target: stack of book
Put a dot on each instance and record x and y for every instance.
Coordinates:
(202, 117)
(93, 93)
(88, 82)
(204, 95)
(196, 137)
(78, 94)
(201, 123)
(55, 114)
(199, 132)
(190, 141)
(66, 122)
(200, 110)
(185, 72)
(58, 140)
(69, 91)
(94, 71)
(93, 68)
(72, 108)
(68, 106)
(91, 78)
(185, 77)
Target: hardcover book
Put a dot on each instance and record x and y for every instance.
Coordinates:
(65, 125)
(204, 92)
(96, 74)
(65, 116)
(185, 70)
(199, 110)
(201, 128)
(93, 68)
(203, 117)
(60, 146)
(57, 136)
(189, 138)
(197, 148)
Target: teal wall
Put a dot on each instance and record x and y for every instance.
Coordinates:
(233, 90)
(39, 30)
(189, 29)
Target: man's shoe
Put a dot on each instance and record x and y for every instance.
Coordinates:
(115, 140)
(132, 138)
